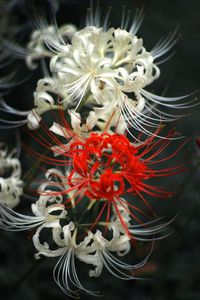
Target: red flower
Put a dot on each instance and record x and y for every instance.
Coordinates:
(109, 167)
(109, 164)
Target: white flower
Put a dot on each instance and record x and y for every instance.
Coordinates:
(45, 213)
(110, 70)
(65, 270)
(96, 61)
(36, 48)
(10, 178)
(43, 101)
(65, 273)
(65, 238)
(119, 244)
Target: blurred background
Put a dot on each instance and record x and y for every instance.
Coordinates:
(173, 270)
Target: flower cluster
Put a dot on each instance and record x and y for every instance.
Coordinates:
(73, 240)
(101, 153)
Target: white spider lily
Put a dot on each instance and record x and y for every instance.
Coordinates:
(57, 179)
(110, 69)
(118, 268)
(120, 243)
(45, 215)
(43, 101)
(97, 61)
(65, 273)
(36, 48)
(10, 178)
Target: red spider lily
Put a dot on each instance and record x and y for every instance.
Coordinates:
(108, 167)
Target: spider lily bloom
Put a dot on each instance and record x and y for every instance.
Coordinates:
(106, 68)
(102, 249)
(119, 244)
(45, 215)
(10, 178)
(36, 48)
(43, 101)
(65, 273)
(107, 168)
(110, 68)
(97, 62)
(108, 251)
(93, 249)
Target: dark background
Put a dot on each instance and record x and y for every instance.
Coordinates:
(174, 268)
